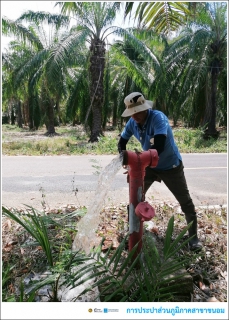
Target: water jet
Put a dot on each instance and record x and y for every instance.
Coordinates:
(86, 238)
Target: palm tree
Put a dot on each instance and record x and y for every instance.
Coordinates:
(93, 27)
(137, 64)
(195, 61)
(12, 60)
(217, 56)
(202, 46)
(42, 69)
(94, 19)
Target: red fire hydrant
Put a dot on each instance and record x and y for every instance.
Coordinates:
(139, 210)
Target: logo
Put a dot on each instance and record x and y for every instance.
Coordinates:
(90, 310)
(98, 310)
(105, 310)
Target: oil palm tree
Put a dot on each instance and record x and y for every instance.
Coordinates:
(201, 46)
(14, 94)
(93, 26)
(216, 56)
(43, 71)
(94, 20)
(135, 63)
(196, 60)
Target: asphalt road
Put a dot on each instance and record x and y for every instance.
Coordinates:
(30, 180)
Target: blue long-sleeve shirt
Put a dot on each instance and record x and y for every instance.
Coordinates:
(156, 123)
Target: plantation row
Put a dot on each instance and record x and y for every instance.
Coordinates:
(70, 73)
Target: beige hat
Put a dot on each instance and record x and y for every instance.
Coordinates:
(135, 102)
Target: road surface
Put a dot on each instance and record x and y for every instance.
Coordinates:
(54, 179)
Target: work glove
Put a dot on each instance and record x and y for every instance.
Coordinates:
(126, 167)
(126, 172)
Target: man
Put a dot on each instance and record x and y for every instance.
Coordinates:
(151, 128)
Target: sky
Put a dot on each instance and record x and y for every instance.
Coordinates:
(13, 9)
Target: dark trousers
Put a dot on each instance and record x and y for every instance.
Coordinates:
(175, 180)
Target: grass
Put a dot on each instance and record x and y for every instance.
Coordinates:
(191, 141)
(74, 141)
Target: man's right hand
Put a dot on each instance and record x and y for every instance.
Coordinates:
(125, 167)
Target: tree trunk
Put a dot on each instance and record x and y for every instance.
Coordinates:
(50, 118)
(30, 108)
(24, 113)
(58, 112)
(212, 122)
(12, 117)
(211, 130)
(97, 65)
(19, 115)
(47, 106)
(115, 109)
(36, 112)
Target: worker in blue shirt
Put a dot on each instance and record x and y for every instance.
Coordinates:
(151, 128)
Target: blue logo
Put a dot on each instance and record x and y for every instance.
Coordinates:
(105, 310)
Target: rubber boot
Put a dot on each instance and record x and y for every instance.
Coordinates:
(194, 243)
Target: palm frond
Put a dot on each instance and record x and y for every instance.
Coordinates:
(60, 54)
(39, 17)
(149, 277)
(33, 64)
(14, 28)
(162, 16)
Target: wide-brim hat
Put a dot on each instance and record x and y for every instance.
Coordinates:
(135, 102)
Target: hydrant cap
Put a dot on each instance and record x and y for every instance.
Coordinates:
(145, 211)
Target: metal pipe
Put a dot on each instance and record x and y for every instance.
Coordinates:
(139, 209)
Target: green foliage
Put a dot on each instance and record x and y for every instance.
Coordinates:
(43, 228)
(148, 277)
(155, 275)
(145, 59)
(34, 225)
(6, 276)
(163, 17)
(6, 269)
(119, 275)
